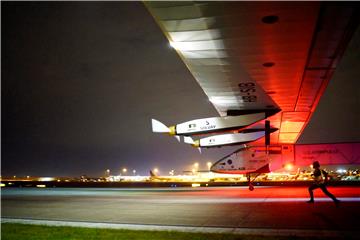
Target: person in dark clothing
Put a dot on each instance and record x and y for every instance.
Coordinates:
(320, 180)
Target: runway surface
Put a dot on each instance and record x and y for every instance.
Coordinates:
(227, 207)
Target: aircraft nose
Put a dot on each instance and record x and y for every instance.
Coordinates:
(217, 166)
(212, 168)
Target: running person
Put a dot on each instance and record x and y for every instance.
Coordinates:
(320, 180)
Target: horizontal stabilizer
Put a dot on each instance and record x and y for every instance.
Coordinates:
(159, 126)
(229, 139)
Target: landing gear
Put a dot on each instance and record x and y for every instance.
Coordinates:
(250, 182)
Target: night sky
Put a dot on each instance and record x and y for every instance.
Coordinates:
(81, 81)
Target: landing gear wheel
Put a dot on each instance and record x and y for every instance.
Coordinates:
(251, 187)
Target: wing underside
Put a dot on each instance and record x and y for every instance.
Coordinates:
(260, 56)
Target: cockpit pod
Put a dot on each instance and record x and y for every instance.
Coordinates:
(243, 161)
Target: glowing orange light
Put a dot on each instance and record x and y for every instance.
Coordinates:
(289, 166)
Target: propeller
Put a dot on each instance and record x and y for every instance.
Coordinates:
(189, 140)
(159, 127)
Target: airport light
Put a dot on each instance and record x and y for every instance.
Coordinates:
(134, 171)
(195, 185)
(289, 166)
(156, 170)
(196, 167)
(341, 171)
(107, 173)
(209, 165)
(46, 179)
(124, 170)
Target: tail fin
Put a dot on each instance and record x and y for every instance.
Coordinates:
(152, 174)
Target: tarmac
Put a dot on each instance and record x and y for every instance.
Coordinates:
(264, 211)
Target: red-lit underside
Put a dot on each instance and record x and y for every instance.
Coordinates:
(224, 43)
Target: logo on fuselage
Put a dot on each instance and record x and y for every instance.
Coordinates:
(208, 127)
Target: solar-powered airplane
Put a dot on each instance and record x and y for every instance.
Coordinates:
(256, 62)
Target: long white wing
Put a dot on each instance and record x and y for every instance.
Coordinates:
(241, 53)
(209, 57)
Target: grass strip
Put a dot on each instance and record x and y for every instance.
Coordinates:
(16, 231)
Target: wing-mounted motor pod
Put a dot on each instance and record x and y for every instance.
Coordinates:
(245, 136)
(225, 139)
(208, 125)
